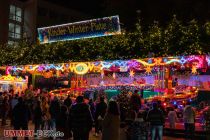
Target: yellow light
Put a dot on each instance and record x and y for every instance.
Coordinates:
(132, 73)
(81, 68)
(194, 70)
(148, 70)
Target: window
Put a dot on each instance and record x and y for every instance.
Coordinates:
(15, 13)
(14, 31)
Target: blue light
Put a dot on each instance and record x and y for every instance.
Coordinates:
(175, 102)
(180, 106)
(150, 61)
(165, 60)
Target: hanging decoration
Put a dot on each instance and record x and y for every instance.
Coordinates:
(114, 75)
(132, 73)
(148, 70)
(81, 68)
(102, 74)
(194, 70)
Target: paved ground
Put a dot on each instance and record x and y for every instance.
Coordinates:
(92, 137)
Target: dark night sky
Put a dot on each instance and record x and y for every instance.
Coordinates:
(161, 10)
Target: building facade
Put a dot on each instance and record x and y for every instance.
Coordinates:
(19, 19)
(52, 14)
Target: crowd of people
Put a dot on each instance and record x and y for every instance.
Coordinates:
(77, 118)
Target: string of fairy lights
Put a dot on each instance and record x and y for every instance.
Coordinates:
(174, 39)
(147, 66)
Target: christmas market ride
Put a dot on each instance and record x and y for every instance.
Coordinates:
(170, 79)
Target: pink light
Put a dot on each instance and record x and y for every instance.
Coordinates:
(208, 60)
(197, 58)
(8, 70)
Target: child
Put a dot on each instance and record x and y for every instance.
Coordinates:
(172, 118)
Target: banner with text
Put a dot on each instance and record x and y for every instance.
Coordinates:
(85, 29)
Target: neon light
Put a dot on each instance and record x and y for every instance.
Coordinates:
(41, 68)
(194, 70)
(208, 60)
(199, 59)
(120, 63)
(59, 67)
(8, 70)
(48, 67)
(172, 61)
(81, 68)
(106, 65)
(144, 63)
(117, 65)
(11, 78)
(148, 70)
(165, 60)
(183, 60)
(150, 61)
(132, 73)
(158, 61)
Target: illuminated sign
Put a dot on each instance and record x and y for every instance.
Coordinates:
(85, 29)
(81, 68)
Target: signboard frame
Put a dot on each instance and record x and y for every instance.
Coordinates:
(78, 30)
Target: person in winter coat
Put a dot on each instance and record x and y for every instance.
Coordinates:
(92, 107)
(54, 112)
(80, 119)
(5, 110)
(135, 101)
(156, 119)
(99, 115)
(13, 103)
(37, 116)
(21, 116)
(45, 114)
(138, 130)
(189, 120)
(111, 123)
(207, 122)
(68, 102)
(62, 123)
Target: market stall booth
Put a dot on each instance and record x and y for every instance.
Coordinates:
(8, 82)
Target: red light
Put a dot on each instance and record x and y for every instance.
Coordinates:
(164, 104)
